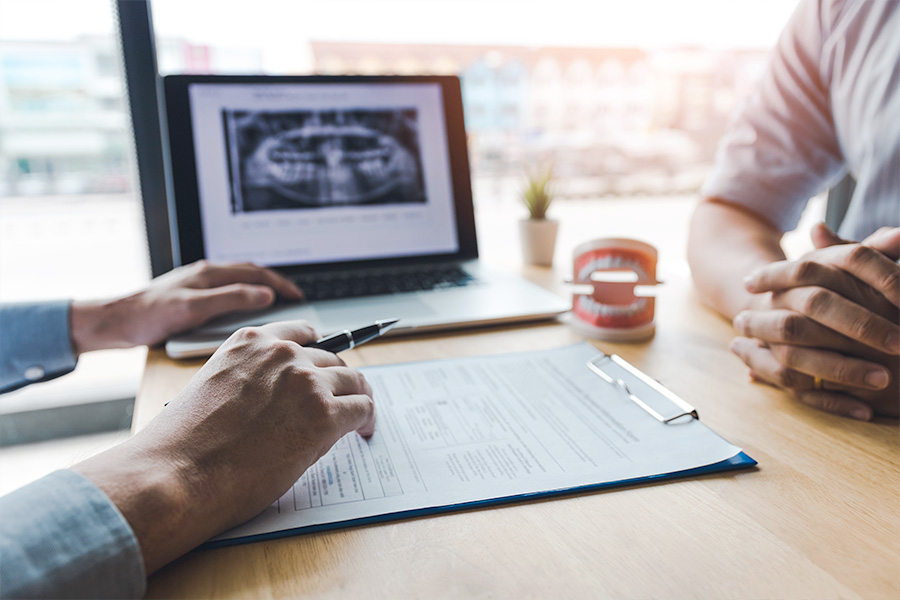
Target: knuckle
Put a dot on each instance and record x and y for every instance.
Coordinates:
(360, 381)
(324, 415)
(891, 281)
(829, 403)
(842, 373)
(805, 270)
(242, 343)
(785, 377)
(245, 293)
(790, 327)
(201, 273)
(247, 334)
(864, 328)
(307, 329)
(859, 254)
(332, 413)
(283, 351)
(740, 322)
(817, 301)
(786, 354)
(307, 379)
(193, 306)
(369, 405)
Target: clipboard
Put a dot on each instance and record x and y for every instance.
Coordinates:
(606, 365)
(614, 385)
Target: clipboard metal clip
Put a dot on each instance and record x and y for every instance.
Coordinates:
(686, 409)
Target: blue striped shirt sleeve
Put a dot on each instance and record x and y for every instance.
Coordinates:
(35, 343)
(61, 536)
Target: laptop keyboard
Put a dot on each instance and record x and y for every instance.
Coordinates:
(327, 286)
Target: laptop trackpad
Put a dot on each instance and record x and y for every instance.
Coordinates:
(356, 312)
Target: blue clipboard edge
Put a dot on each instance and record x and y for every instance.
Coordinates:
(738, 461)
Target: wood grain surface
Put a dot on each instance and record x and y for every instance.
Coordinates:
(819, 517)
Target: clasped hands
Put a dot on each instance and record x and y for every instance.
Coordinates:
(826, 327)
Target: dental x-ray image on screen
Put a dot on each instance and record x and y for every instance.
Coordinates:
(303, 159)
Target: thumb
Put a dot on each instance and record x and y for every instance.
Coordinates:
(822, 236)
(208, 303)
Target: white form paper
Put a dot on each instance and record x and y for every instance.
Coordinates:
(465, 430)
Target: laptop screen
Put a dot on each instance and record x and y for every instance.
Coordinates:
(293, 172)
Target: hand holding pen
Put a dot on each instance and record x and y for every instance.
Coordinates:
(346, 339)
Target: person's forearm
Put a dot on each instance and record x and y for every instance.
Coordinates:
(726, 244)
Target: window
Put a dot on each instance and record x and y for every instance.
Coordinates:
(70, 222)
(69, 216)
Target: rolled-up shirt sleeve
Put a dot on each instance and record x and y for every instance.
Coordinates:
(34, 343)
(782, 148)
(62, 537)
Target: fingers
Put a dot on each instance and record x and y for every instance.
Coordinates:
(831, 366)
(886, 240)
(210, 275)
(300, 332)
(838, 403)
(784, 275)
(205, 304)
(345, 381)
(356, 413)
(765, 366)
(314, 374)
(868, 265)
(337, 376)
(828, 268)
(352, 407)
(843, 316)
(788, 326)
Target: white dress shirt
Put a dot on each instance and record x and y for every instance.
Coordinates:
(828, 104)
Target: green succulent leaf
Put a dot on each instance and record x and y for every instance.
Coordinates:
(537, 194)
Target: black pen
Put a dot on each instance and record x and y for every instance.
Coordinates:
(346, 339)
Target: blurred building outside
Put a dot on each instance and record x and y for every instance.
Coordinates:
(64, 126)
(612, 121)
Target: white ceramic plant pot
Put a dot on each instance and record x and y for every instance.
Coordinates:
(538, 238)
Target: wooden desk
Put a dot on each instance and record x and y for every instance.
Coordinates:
(819, 518)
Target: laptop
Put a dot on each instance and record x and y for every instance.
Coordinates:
(355, 187)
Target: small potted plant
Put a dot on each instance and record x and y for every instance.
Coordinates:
(537, 232)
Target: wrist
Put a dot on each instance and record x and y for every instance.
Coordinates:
(153, 493)
(99, 325)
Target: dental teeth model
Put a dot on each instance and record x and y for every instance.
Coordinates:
(614, 300)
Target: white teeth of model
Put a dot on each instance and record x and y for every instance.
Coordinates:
(606, 263)
(595, 308)
(622, 311)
